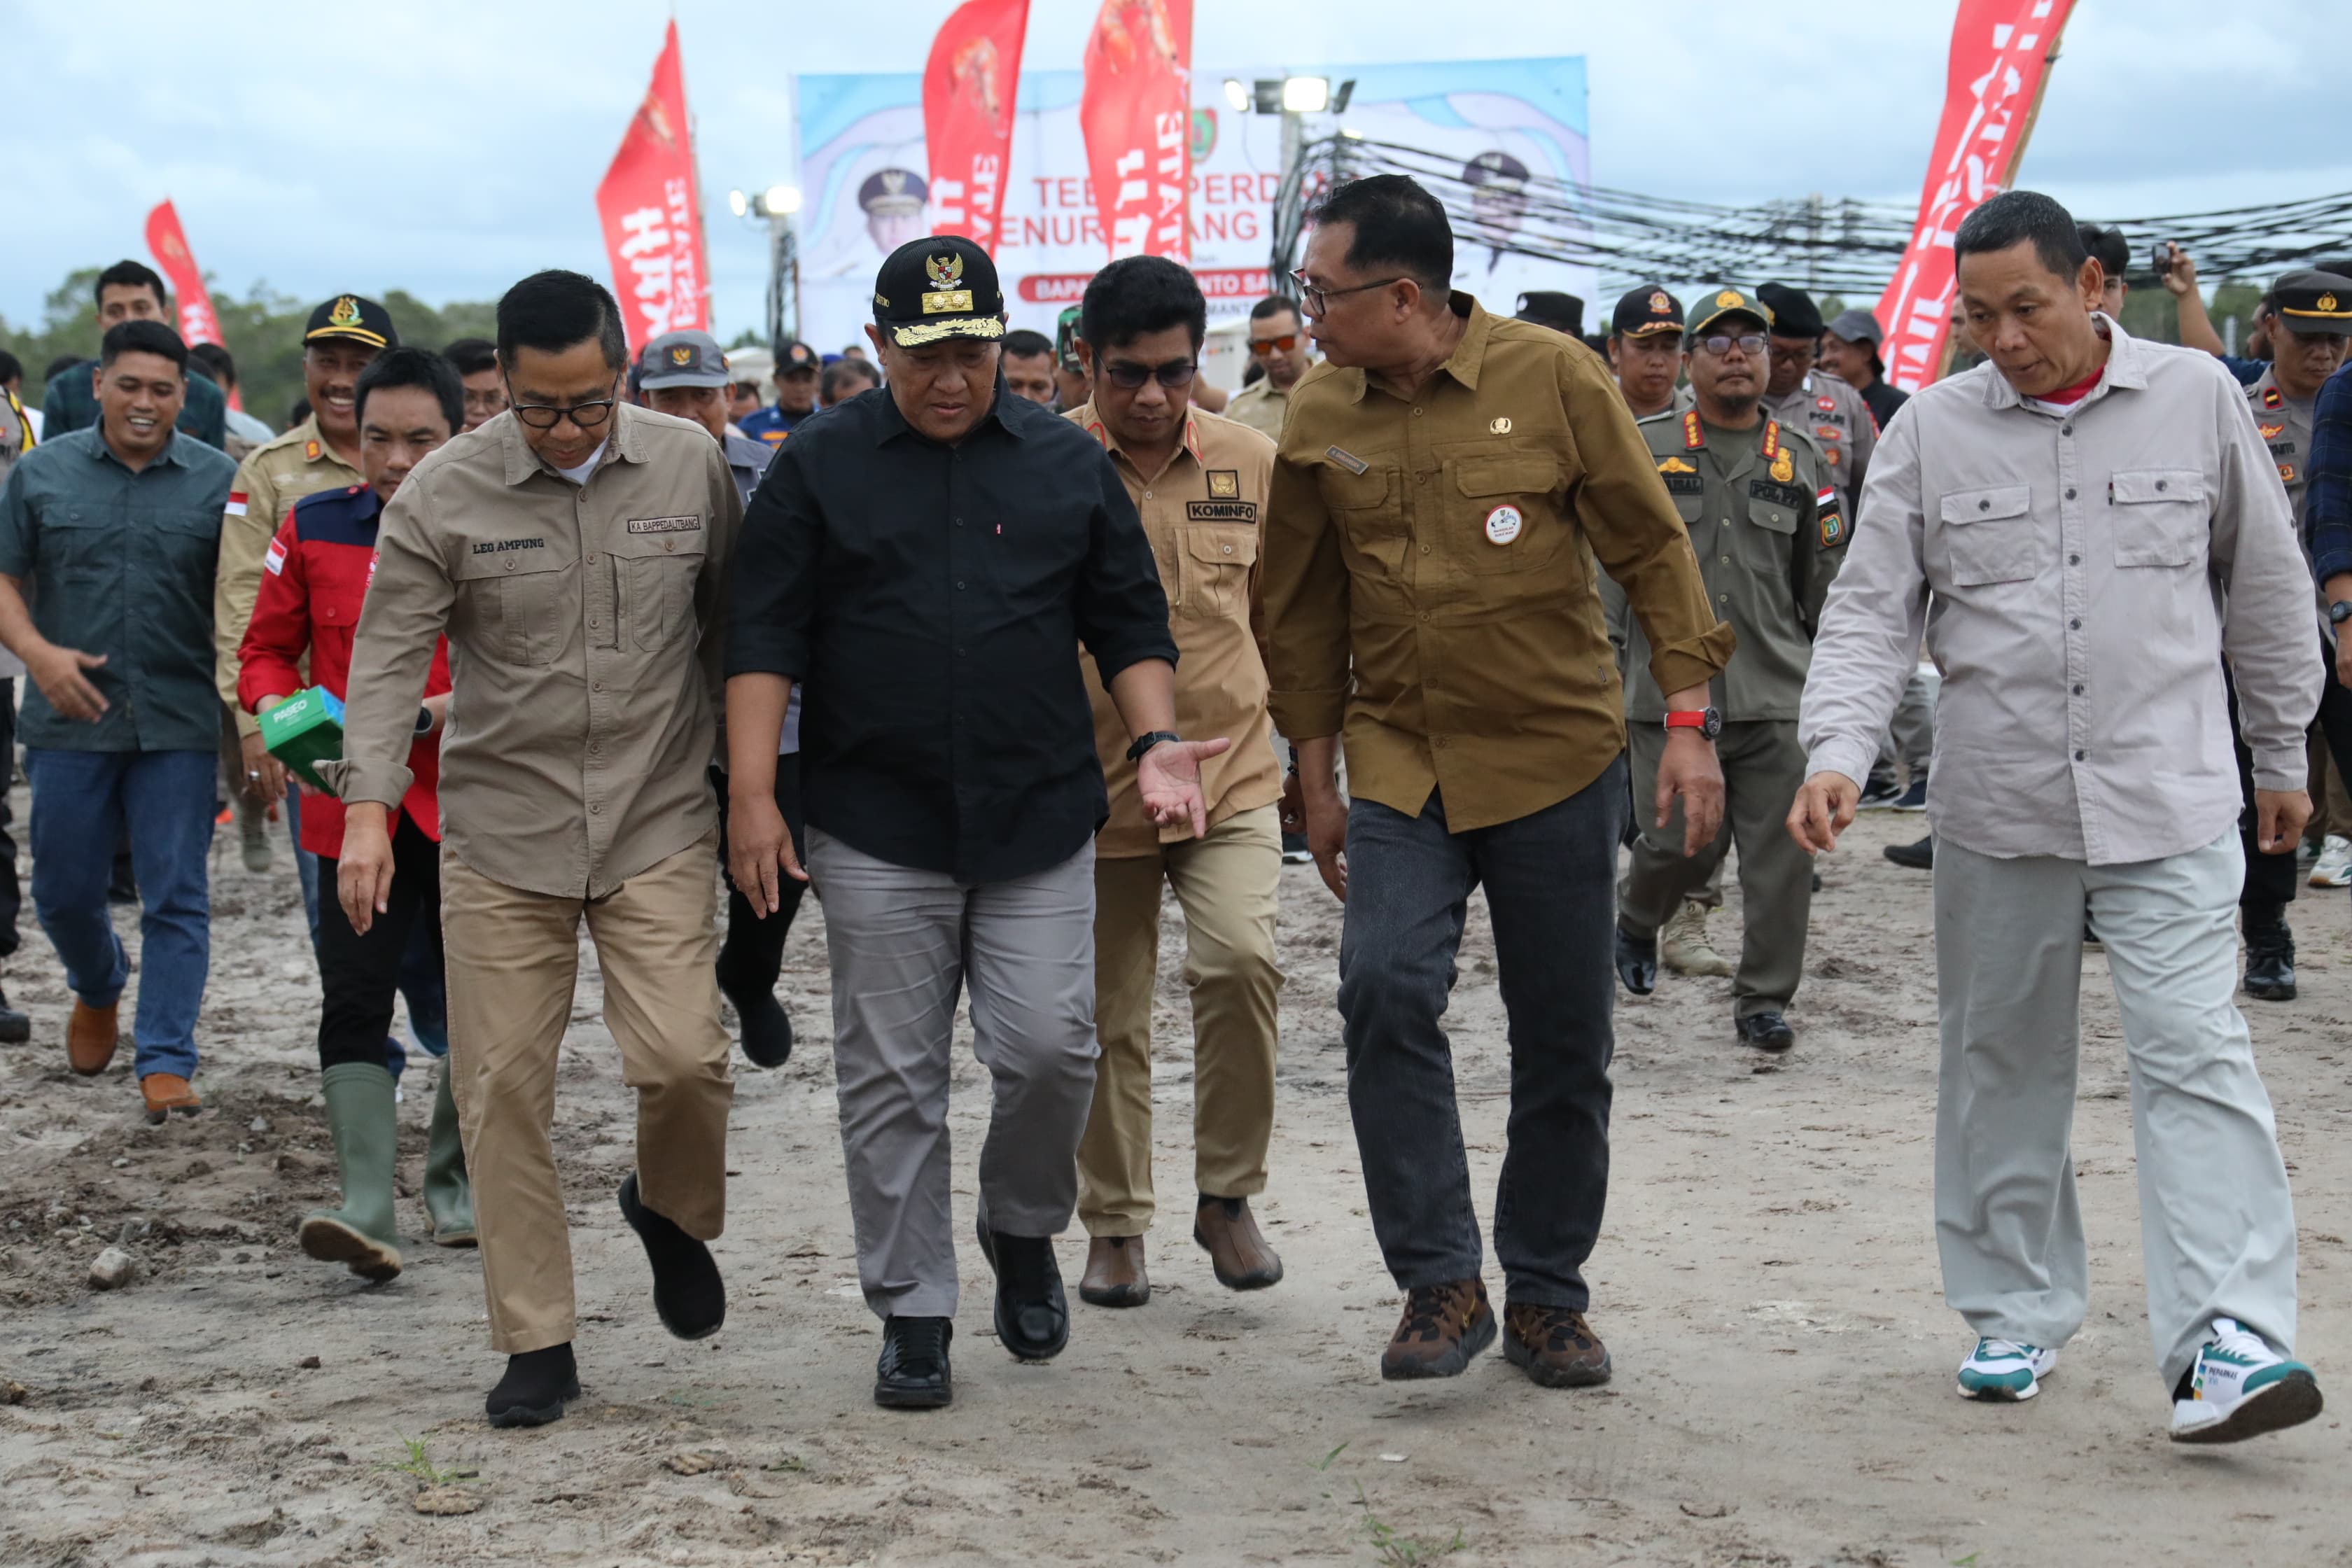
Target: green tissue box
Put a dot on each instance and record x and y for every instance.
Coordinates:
(305, 729)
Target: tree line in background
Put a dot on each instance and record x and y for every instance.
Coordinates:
(262, 331)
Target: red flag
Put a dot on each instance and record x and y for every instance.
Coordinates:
(169, 247)
(2001, 51)
(1136, 113)
(970, 86)
(652, 213)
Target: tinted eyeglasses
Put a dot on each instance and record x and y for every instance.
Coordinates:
(1130, 375)
(1720, 343)
(1281, 346)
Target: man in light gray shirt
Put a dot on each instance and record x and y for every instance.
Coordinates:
(2099, 527)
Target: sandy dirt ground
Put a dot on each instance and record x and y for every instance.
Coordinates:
(1766, 1280)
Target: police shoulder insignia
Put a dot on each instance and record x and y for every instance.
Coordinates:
(1675, 466)
(1772, 437)
(2271, 398)
(1225, 484)
(309, 452)
(2272, 432)
(1692, 437)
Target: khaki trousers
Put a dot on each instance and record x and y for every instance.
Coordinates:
(1226, 884)
(512, 961)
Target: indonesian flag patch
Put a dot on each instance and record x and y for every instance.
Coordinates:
(237, 503)
(273, 560)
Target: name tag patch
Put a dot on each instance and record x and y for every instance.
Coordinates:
(1790, 496)
(501, 546)
(1684, 484)
(666, 524)
(1347, 460)
(1503, 524)
(1221, 511)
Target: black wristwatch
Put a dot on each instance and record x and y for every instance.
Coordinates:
(1145, 742)
(424, 719)
(2339, 612)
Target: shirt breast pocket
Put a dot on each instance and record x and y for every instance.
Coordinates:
(508, 606)
(1990, 535)
(1769, 536)
(78, 545)
(1500, 521)
(655, 580)
(1215, 571)
(2158, 517)
(1364, 510)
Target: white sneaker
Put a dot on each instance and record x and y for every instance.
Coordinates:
(2334, 867)
(2239, 1387)
(2005, 1370)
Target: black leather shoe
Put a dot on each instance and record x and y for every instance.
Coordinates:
(913, 1371)
(537, 1386)
(1032, 1316)
(15, 1028)
(767, 1027)
(1637, 962)
(688, 1293)
(2269, 958)
(1766, 1031)
(1919, 856)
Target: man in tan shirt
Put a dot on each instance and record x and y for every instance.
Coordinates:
(573, 550)
(1277, 344)
(1199, 482)
(1445, 483)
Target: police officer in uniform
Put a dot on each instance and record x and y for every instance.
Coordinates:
(2308, 316)
(1769, 534)
(1803, 396)
(1645, 344)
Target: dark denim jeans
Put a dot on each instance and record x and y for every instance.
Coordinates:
(1551, 884)
(165, 801)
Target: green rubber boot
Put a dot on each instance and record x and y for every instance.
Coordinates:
(361, 1234)
(448, 1196)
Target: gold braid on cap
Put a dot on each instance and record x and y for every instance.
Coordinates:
(921, 332)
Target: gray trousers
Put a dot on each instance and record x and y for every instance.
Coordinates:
(2216, 1224)
(1911, 738)
(903, 944)
(1763, 766)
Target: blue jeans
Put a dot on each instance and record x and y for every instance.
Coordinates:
(1551, 882)
(80, 799)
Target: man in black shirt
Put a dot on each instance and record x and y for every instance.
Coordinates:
(926, 562)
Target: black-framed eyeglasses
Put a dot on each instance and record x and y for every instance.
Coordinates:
(1127, 373)
(1720, 343)
(1318, 299)
(589, 415)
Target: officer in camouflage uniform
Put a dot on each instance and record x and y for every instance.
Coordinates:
(1769, 532)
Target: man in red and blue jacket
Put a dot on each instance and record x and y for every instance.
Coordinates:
(316, 571)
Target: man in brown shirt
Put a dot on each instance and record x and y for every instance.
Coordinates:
(572, 549)
(1199, 482)
(1445, 483)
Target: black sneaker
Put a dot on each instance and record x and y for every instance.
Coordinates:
(1765, 1031)
(537, 1386)
(1914, 798)
(15, 1028)
(688, 1293)
(1880, 791)
(913, 1371)
(1919, 856)
(2270, 957)
(1032, 1316)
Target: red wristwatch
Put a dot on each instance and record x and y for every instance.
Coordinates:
(1707, 722)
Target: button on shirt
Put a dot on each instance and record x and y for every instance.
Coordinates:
(1429, 576)
(121, 564)
(1201, 514)
(933, 600)
(2090, 568)
(584, 643)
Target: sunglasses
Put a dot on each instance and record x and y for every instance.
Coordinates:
(1130, 375)
(1281, 346)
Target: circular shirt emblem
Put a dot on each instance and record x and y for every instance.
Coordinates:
(1503, 524)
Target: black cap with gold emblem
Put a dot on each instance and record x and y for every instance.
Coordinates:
(349, 316)
(943, 287)
(2314, 302)
(1644, 311)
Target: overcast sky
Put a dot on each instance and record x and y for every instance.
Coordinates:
(449, 147)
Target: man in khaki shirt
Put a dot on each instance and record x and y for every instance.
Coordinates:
(1277, 343)
(573, 550)
(1199, 482)
(1445, 483)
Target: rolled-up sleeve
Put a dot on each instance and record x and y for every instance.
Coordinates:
(776, 555)
(1122, 609)
(409, 597)
(1868, 640)
(1303, 587)
(1624, 508)
(2267, 632)
(2327, 498)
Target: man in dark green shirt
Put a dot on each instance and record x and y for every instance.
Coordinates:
(128, 291)
(116, 529)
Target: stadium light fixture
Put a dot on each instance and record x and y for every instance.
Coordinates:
(1306, 94)
(1238, 93)
(782, 201)
(738, 203)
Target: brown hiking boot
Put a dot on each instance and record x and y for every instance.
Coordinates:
(1443, 1326)
(1238, 1254)
(1556, 1347)
(1115, 1276)
(90, 1037)
(167, 1093)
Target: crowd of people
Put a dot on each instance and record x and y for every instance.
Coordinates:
(990, 637)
